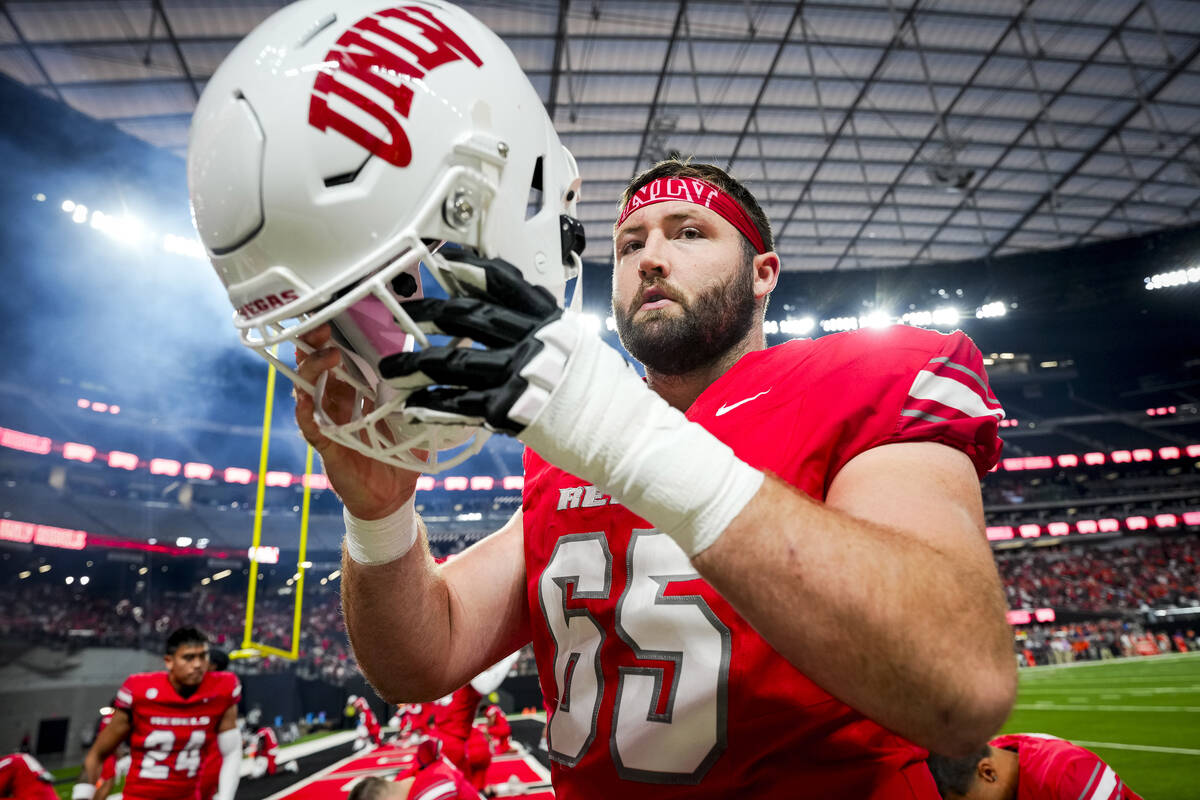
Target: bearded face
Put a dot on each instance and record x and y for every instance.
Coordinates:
(692, 331)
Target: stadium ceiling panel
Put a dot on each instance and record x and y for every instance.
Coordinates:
(877, 133)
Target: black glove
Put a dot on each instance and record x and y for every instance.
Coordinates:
(502, 311)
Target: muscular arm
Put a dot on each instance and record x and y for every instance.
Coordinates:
(886, 595)
(115, 732)
(420, 630)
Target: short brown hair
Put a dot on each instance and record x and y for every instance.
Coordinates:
(371, 787)
(684, 168)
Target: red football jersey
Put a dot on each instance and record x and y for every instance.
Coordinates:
(23, 778)
(266, 741)
(454, 714)
(440, 781)
(365, 715)
(170, 735)
(1054, 769)
(655, 687)
(497, 725)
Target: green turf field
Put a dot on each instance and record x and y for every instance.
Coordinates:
(1141, 716)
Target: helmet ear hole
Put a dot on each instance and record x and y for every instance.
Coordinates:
(535, 202)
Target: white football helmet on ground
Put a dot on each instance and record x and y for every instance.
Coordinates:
(342, 144)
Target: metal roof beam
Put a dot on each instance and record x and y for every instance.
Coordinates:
(1141, 185)
(23, 43)
(862, 93)
(158, 7)
(940, 124)
(854, 44)
(1179, 67)
(560, 44)
(662, 76)
(1030, 124)
(766, 79)
(1017, 91)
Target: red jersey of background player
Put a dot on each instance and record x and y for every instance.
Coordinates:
(414, 719)
(1054, 769)
(478, 758)
(499, 729)
(366, 717)
(655, 687)
(440, 781)
(266, 745)
(453, 717)
(170, 735)
(23, 778)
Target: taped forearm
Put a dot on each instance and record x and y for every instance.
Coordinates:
(230, 745)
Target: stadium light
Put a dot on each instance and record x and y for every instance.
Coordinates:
(996, 308)
(183, 541)
(946, 317)
(70, 580)
(79, 215)
(85, 580)
(1178, 277)
(610, 324)
(23, 574)
(797, 327)
(839, 324)
(425, 483)
(68, 206)
(456, 483)
(876, 319)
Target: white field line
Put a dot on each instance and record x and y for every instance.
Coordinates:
(1183, 751)
(1112, 662)
(1069, 707)
(1113, 690)
(316, 776)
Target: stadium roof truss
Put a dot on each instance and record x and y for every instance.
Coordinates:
(876, 133)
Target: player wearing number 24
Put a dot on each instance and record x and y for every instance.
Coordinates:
(172, 720)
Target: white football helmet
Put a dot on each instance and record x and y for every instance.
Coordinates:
(338, 147)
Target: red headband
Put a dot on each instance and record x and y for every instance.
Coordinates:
(702, 193)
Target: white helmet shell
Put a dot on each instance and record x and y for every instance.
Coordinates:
(337, 148)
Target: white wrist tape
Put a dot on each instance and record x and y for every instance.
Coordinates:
(229, 744)
(601, 423)
(83, 791)
(378, 541)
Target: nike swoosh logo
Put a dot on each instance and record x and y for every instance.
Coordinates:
(732, 406)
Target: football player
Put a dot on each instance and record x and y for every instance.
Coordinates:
(478, 757)
(22, 777)
(498, 729)
(1028, 766)
(368, 725)
(172, 720)
(431, 777)
(453, 716)
(724, 568)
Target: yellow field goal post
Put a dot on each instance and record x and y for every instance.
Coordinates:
(251, 648)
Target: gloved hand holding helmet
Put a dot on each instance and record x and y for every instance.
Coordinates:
(341, 145)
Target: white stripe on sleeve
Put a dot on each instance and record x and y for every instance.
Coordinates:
(124, 696)
(952, 394)
(438, 791)
(1104, 788)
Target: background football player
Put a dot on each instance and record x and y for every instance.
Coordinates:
(172, 720)
(1022, 766)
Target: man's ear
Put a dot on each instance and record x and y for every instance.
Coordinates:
(766, 273)
(987, 771)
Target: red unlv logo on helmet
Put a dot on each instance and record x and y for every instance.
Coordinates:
(377, 52)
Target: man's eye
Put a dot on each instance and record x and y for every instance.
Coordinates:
(690, 233)
(629, 247)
